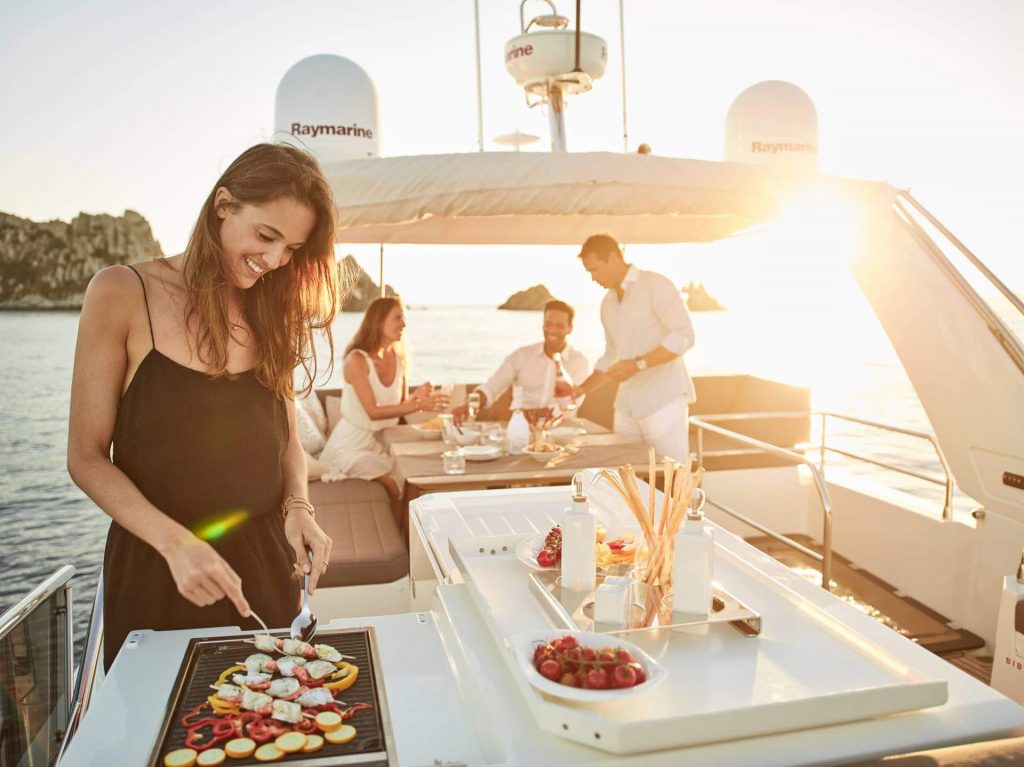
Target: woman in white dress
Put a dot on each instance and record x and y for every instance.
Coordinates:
(375, 395)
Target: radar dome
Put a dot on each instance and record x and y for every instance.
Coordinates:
(328, 104)
(773, 122)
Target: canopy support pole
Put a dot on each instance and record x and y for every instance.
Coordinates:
(479, 90)
(382, 270)
(622, 49)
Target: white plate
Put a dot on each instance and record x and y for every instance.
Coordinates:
(427, 433)
(481, 452)
(528, 548)
(565, 433)
(523, 646)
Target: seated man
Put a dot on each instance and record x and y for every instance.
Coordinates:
(535, 367)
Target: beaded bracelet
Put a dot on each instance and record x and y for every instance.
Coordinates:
(300, 502)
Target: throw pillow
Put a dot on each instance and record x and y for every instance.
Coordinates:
(310, 437)
(311, 404)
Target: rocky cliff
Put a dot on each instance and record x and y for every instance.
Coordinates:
(48, 265)
(529, 300)
(361, 290)
(698, 299)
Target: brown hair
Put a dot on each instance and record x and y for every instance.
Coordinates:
(286, 305)
(602, 246)
(554, 305)
(368, 336)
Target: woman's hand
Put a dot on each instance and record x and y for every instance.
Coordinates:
(304, 533)
(426, 400)
(202, 575)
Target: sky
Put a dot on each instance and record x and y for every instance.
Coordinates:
(111, 105)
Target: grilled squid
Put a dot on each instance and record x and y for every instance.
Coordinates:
(296, 647)
(318, 696)
(229, 693)
(265, 642)
(286, 711)
(259, 663)
(252, 681)
(257, 701)
(283, 688)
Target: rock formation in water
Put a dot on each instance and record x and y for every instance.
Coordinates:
(529, 300)
(48, 265)
(361, 290)
(698, 300)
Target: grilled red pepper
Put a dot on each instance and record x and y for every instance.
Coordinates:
(306, 727)
(259, 730)
(349, 712)
(186, 720)
(195, 736)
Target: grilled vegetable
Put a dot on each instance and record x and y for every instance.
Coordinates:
(291, 742)
(313, 743)
(240, 748)
(183, 757)
(268, 752)
(212, 757)
(343, 734)
(328, 721)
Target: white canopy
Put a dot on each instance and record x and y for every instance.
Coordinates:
(550, 198)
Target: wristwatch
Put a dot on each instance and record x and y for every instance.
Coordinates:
(641, 363)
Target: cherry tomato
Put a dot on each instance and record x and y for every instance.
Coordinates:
(568, 678)
(545, 558)
(641, 675)
(624, 655)
(569, 641)
(623, 676)
(589, 654)
(551, 669)
(597, 679)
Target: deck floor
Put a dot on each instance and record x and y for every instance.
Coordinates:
(885, 603)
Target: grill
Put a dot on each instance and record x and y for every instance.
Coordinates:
(207, 657)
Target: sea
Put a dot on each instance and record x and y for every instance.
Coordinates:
(46, 521)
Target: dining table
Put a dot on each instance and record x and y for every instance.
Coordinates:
(419, 467)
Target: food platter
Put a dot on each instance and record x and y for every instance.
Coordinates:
(272, 701)
(528, 548)
(525, 645)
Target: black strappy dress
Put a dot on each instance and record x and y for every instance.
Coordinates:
(207, 452)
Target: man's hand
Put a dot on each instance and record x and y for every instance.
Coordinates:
(564, 389)
(460, 413)
(622, 370)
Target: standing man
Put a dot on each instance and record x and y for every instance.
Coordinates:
(647, 330)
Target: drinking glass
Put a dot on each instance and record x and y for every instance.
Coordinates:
(448, 433)
(472, 406)
(454, 462)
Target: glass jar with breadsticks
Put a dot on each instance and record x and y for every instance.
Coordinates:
(653, 561)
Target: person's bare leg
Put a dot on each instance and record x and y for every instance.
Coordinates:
(391, 486)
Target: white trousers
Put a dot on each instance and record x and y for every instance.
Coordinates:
(666, 430)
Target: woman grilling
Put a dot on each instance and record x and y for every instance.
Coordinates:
(182, 424)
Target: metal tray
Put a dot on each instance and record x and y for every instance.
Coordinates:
(573, 610)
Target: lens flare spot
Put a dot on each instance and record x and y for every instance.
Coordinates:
(220, 524)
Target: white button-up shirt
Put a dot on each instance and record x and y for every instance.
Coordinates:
(531, 368)
(650, 314)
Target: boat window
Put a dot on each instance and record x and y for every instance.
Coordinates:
(34, 676)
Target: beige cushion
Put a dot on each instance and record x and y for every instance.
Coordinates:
(310, 437)
(368, 547)
(333, 407)
(312, 405)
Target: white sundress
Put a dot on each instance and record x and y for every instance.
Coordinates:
(353, 450)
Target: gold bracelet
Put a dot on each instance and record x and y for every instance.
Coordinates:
(297, 500)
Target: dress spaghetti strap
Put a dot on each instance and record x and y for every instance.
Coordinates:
(145, 298)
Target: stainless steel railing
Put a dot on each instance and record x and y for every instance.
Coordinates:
(825, 558)
(88, 670)
(947, 482)
(40, 626)
(703, 423)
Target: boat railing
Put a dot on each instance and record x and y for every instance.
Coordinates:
(1003, 334)
(36, 670)
(88, 670)
(704, 424)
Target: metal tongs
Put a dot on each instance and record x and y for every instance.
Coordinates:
(304, 625)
